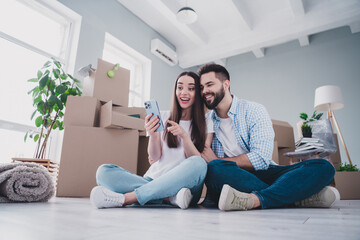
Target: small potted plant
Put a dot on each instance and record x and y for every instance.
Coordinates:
(305, 127)
(52, 87)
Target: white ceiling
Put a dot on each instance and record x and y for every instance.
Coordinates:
(230, 27)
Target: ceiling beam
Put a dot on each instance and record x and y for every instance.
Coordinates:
(304, 41)
(243, 13)
(355, 27)
(297, 8)
(259, 52)
(166, 12)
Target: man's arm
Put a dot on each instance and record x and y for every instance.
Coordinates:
(242, 160)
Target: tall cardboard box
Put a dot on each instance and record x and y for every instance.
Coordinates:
(85, 149)
(104, 88)
(284, 139)
(82, 111)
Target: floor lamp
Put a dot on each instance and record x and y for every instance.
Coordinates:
(329, 98)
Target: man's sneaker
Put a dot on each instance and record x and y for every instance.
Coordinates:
(102, 197)
(182, 199)
(323, 199)
(231, 199)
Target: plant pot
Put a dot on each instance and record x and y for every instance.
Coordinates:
(307, 134)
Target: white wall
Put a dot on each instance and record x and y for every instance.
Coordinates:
(110, 16)
(284, 81)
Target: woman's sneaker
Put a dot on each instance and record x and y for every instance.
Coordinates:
(182, 199)
(323, 199)
(102, 197)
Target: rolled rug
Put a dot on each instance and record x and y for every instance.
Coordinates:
(25, 182)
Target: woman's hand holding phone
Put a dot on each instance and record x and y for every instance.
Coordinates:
(151, 124)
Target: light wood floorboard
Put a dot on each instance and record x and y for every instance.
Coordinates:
(76, 218)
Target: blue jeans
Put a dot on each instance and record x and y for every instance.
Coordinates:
(190, 173)
(276, 187)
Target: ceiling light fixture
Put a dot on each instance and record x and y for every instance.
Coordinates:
(186, 15)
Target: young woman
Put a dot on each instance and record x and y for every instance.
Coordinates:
(177, 170)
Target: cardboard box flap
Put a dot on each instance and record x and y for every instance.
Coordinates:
(113, 119)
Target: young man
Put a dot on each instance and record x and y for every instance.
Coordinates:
(241, 174)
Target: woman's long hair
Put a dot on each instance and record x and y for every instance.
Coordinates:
(198, 124)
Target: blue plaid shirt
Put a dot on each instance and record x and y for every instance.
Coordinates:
(253, 132)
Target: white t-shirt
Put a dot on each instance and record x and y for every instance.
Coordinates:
(227, 138)
(171, 157)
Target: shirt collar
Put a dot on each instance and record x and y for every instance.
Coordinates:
(232, 110)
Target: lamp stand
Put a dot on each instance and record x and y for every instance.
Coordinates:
(332, 118)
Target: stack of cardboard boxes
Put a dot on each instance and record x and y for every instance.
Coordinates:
(100, 129)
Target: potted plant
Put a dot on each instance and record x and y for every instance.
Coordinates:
(49, 95)
(305, 127)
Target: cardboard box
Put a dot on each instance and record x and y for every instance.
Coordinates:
(104, 88)
(115, 119)
(285, 141)
(85, 149)
(82, 111)
(348, 185)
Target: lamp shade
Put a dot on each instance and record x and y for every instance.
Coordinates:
(186, 15)
(328, 97)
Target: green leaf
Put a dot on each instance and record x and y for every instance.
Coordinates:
(39, 74)
(36, 137)
(33, 114)
(63, 76)
(303, 116)
(56, 73)
(43, 81)
(61, 89)
(47, 64)
(52, 100)
(61, 114)
(36, 100)
(63, 98)
(33, 80)
(31, 90)
(38, 121)
(58, 64)
(60, 104)
(40, 107)
(26, 135)
(52, 85)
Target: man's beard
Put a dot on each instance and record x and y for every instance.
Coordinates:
(218, 96)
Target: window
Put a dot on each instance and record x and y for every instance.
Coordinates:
(116, 51)
(31, 32)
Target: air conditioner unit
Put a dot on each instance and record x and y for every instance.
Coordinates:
(164, 52)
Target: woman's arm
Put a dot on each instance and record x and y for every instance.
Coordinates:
(154, 147)
(189, 147)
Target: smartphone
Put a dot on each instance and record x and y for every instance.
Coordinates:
(151, 106)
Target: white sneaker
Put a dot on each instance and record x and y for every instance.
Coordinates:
(102, 197)
(232, 199)
(182, 199)
(323, 199)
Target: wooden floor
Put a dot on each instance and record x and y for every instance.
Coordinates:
(76, 218)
